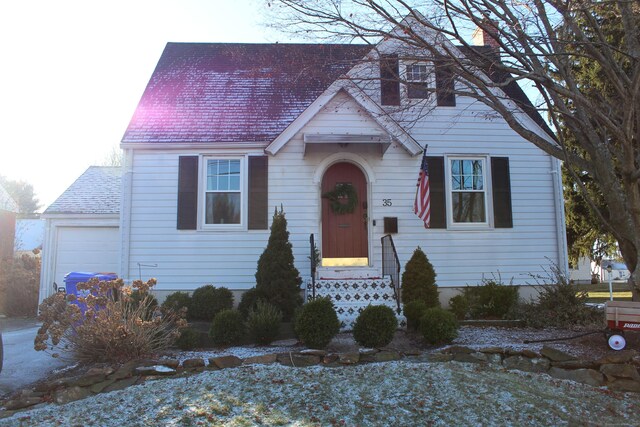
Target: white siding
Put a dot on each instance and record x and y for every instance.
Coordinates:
(188, 259)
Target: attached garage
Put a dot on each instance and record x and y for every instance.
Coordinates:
(82, 228)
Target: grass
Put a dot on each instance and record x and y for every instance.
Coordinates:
(599, 292)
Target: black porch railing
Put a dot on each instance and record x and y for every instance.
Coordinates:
(313, 260)
(391, 266)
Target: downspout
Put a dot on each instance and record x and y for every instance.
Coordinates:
(561, 233)
(125, 214)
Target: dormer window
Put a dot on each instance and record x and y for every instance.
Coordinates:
(417, 76)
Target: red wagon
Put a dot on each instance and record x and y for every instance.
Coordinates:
(621, 316)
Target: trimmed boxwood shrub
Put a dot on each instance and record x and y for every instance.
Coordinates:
(207, 301)
(419, 280)
(263, 323)
(176, 301)
(438, 326)
(375, 326)
(249, 301)
(227, 328)
(413, 311)
(491, 300)
(317, 323)
(188, 340)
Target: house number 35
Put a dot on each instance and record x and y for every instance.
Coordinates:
(386, 202)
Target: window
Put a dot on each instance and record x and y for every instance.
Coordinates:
(417, 77)
(223, 195)
(389, 81)
(468, 190)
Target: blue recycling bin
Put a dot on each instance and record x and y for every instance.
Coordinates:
(72, 279)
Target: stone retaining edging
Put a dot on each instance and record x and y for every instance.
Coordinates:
(617, 371)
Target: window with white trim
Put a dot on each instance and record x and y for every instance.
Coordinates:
(468, 193)
(417, 78)
(223, 191)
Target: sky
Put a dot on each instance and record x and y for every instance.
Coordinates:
(73, 71)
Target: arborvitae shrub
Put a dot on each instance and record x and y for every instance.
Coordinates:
(419, 280)
(438, 326)
(413, 311)
(227, 328)
(177, 301)
(188, 340)
(317, 323)
(263, 323)
(207, 301)
(277, 278)
(249, 301)
(375, 326)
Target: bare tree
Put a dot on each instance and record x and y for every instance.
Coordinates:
(543, 43)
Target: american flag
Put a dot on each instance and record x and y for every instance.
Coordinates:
(422, 205)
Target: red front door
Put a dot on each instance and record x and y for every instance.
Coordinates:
(344, 235)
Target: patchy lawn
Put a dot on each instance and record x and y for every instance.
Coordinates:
(397, 393)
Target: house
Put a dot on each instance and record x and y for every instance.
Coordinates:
(81, 230)
(8, 210)
(225, 133)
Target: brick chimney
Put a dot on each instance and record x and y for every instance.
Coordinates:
(487, 36)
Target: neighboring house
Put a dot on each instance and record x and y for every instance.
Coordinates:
(82, 228)
(225, 133)
(583, 271)
(29, 236)
(8, 210)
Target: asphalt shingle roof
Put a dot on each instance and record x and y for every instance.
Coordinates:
(212, 92)
(96, 191)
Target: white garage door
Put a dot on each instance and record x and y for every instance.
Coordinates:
(90, 249)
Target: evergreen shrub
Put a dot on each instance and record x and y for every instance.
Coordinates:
(189, 339)
(177, 301)
(375, 326)
(227, 328)
(263, 323)
(207, 301)
(438, 326)
(249, 301)
(277, 278)
(491, 300)
(317, 323)
(459, 306)
(419, 280)
(413, 311)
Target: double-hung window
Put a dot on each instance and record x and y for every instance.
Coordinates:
(223, 191)
(417, 76)
(468, 192)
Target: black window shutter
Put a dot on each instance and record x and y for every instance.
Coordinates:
(445, 86)
(258, 192)
(436, 189)
(389, 80)
(501, 186)
(187, 192)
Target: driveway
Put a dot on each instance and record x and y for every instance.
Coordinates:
(22, 364)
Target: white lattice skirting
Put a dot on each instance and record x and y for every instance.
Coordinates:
(351, 296)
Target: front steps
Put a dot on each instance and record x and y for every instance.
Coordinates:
(353, 289)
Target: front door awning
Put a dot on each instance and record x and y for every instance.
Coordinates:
(380, 141)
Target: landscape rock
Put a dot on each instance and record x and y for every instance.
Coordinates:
(314, 352)
(193, 363)
(265, 359)
(625, 385)
(439, 357)
(584, 376)
(170, 363)
(297, 360)
(350, 358)
(624, 356)
(99, 387)
(555, 355)
(456, 349)
(121, 384)
(71, 394)
(156, 370)
(88, 379)
(380, 356)
(492, 350)
(124, 371)
(21, 402)
(614, 371)
(225, 362)
(576, 364)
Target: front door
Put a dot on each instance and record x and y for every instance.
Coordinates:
(344, 216)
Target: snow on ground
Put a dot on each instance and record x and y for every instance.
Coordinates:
(390, 394)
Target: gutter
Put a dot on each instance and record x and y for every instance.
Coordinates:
(561, 232)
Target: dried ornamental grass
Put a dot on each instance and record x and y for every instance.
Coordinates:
(113, 327)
